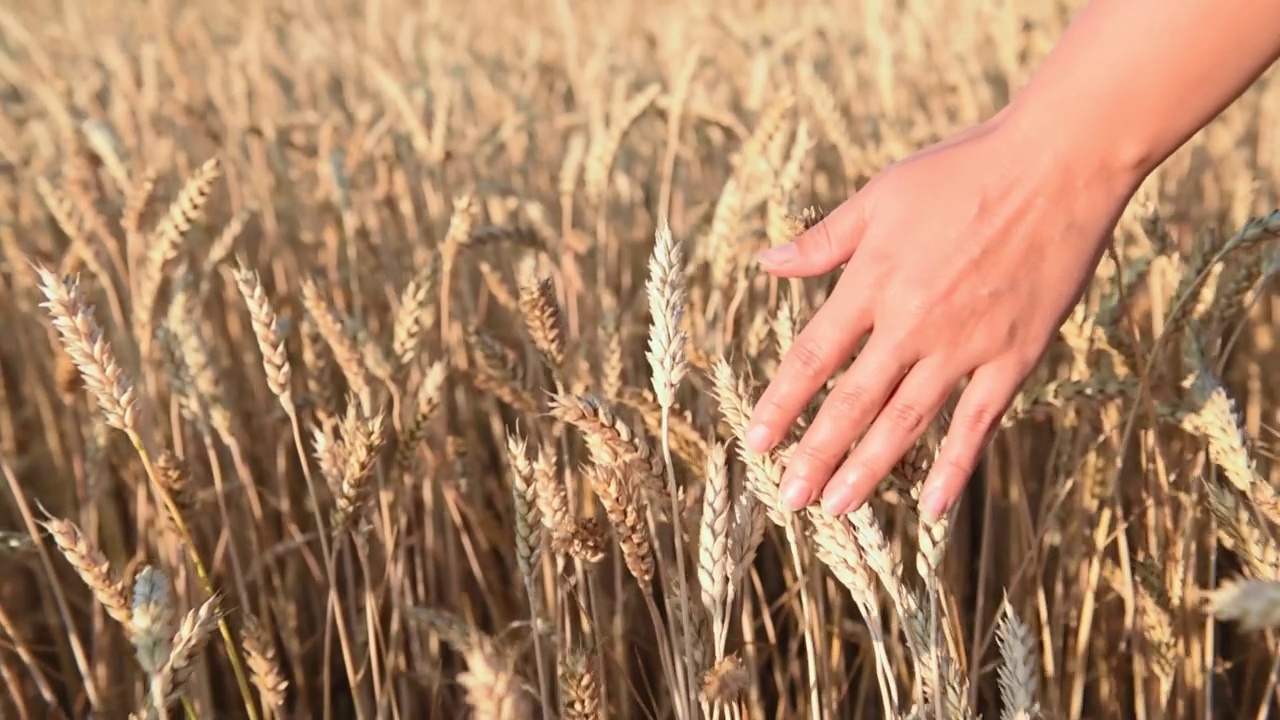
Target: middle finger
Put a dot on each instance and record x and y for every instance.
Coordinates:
(843, 417)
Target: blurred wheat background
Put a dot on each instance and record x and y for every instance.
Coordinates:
(388, 360)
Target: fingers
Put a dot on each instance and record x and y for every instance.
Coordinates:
(976, 418)
(896, 427)
(844, 415)
(824, 344)
(822, 247)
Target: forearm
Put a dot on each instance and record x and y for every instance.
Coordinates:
(1132, 80)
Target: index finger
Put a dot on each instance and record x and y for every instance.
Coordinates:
(827, 341)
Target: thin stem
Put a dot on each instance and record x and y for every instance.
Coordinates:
(233, 653)
(543, 687)
(372, 631)
(59, 599)
(330, 572)
(593, 594)
(936, 640)
(343, 550)
(215, 472)
(664, 650)
(677, 534)
(811, 653)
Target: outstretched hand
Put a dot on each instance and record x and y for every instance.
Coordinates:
(963, 260)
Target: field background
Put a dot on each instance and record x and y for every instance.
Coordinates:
(430, 414)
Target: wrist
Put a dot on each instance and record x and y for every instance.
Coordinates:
(1129, 83)
(1070, 137)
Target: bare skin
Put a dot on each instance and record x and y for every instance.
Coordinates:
(964, 259)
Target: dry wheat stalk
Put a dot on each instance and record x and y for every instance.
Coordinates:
(725, 682)
(713, 545)
(164, 243)
(260, 656)
(172, 475)
(837, 547)
(89, 349)
(185, 322)
(550, 493)
(580, 688)
(665, 290)
(1241, 533)
(686, 440)
(745, 535)
(491, 685)
(605, 141)
(611, 441)
(336, 335)
(933, 663)
(275, 359)
(427, 401)
(1252, 604)
(362, 438)
(611, 359)
(832, 121)
(764, 473)
(626, 514)
(1210, 413)
(186, 644)
(499, 371)
(137, 201)
(529, 533)
(527, 514)
(411, 314)
(1154, 611)
(94, 357)
(583, 539)
(92, 567)
(225, 244)
(544, 320)
(152, 620)
(181, 383)
(1017, 673)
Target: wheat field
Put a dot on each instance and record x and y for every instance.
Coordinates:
(390, 360)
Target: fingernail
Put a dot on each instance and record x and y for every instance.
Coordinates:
(933, 505)
(795, 495)
(777, 255)
(837, 497)
(758, 438)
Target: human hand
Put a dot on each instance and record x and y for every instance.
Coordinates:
(963, 260)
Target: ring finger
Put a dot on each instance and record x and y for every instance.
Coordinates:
(897, 426)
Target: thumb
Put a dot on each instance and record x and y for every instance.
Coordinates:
(822, 247)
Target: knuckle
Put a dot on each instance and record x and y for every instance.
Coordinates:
(905, 323)
(807, 358)
(956, 467)
(774, 410)
(914, 309)
(1026, 359)
(907, 295)
(847, 403)
(1022, 355)
(817, 456)
(905, 416)
(768, 408)
(879, 453)
(978, 421)
(870, 464)
(818, 239)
